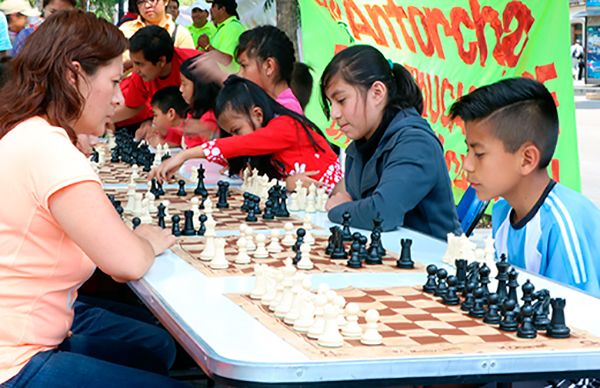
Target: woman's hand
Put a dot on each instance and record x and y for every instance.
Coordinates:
(160, 239)
(337, 199)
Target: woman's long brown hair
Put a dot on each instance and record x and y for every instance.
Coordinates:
(38, 83)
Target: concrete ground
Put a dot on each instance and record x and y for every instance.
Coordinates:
(588, 136)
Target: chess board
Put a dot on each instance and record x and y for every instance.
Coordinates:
(414, 323)
(190, 250)
(227, 219)
(119, 173)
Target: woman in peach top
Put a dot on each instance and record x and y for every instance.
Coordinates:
(57, 225)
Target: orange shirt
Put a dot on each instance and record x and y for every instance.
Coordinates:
(41, 268)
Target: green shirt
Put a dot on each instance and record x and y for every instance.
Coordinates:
(227, 36)
(209, 29)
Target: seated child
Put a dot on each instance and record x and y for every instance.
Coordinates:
(540, 225)
(169, 109)
(395, 167)
(261, 127)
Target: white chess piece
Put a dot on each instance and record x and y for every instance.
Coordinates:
(318, 325)
(208, 252)
(293, 203)
(145, 216)
(219, 261)
(297, 291)
(287, 297)
(308, 237)
(195, 207)
(242, 256)
(274, 246)
(322, 198)
(340, 302)
(151, 202)
(305, 262)
(307, 314)
(261, 250)
(137, 205)
(251, 246)
(352, 328)
(370, 335)
(311, 199)
(288, 239)
(273, 279)
(331, 337)
(260, 273)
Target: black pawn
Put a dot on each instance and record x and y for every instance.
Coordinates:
(300, 233)
(373, 251)
(268, 214)
(477, 311)
(492, 316)
(159, 189)
(282, 210)
(451, 297)
(346, 234)
(441, 287)
(431, 284)
(526, 328)
(154, 188)
(175, 230)
(484, 278)
(246, 203)
(135, 221)
(469, 297)
(405, 260)
(188, 225)
(509, 321)
(461, 273)
(354, 261)
(251, 216)
(527, 289)
(223, 193)
(513, 284)
(181, 192)
(161, 215)
(558, 327)
(202, 228)
(256, 204)
(362, 251)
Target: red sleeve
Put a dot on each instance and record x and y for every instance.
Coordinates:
(134, 91)
(211, 120)
(174, 135)
(279, 134)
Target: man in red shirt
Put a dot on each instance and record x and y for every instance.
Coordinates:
(155, 66)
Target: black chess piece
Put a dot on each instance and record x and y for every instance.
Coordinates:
(451, 297)
(484, 278)
(330, 241)
(256, 204)
(527, 297)
(469, 297)
(492, 316)
(181, 192)
(339, 251)
(431, 284)
(200, 188)
(175, 230)
(362, 251)
(268, 213)
(502, 277)
(135, 221)
(119, 209)
(558, 327)
(300, 233)
(223, 193)
(441, 287)
(188, 224)
(346, 233)
(526, 329)
(405, 261)
(513, 284)
(95, 157)
(473, 272)
(251, 216)
(373, 251)
(509, 319)
(461, 274)
(355, 237)
(202, 228)
(478, 311)
(282, 210)
(541, 309)
(355, 261)
(161, 215)
(274, 193)
(377, 222)
(159, 189)
(154, 189)
(246, 203)
(297, 256)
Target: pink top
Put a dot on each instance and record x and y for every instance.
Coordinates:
(41, 268)
(289, 100)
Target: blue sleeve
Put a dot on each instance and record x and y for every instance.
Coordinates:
(410, 173)
(21, 39)
(4, 38)
(569, 259)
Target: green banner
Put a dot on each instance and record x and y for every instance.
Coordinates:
(452, 47)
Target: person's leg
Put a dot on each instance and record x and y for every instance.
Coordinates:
(63, 369)
(140, 342)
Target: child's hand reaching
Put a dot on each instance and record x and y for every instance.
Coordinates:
(304, 177)
(167, 169)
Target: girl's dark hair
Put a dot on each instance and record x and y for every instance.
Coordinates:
(241, 95)
(45, 3)
(39, 85)
(361, 66)
(270, 42)
(205, 93)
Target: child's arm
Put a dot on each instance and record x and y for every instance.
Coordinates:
(410, 173)
(169, 167)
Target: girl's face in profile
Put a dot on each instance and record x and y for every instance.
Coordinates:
(187, 89)
(236, 123)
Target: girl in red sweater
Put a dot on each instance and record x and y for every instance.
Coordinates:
(264, 134)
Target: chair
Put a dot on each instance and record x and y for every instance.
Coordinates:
(469, 210)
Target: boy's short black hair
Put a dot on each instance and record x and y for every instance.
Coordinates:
(520, 110)
(154, 42)
(170, 98)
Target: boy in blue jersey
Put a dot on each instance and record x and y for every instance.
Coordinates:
(511, 133)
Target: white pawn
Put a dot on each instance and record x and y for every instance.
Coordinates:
(219, 261)
(308, 237)
(305, 262)
(137, 205)
(318, 325)
(352, 328)
(261, 251)
(294, 313)
(145, 216)
(195, 207)
(151, 204)
(208, 252)
(322, 198)
(271, 292)
(274, 246)
(260, 281)
(340, 303)
(242, 256)
(288, 239)
(370, 335)
(311, 198)
(293, 204)
(287, 297)
(331, 337)
(251, 246)
(307, 314)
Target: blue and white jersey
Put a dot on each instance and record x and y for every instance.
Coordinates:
(559, 238)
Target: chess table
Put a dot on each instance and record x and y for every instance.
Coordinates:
(236, 343)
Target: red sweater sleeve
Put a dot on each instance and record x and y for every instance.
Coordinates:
(134, 91)
(280, 133)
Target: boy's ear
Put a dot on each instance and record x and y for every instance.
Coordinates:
(530, 158)
(171, 114)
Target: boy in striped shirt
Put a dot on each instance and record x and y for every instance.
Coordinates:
(511, 133)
